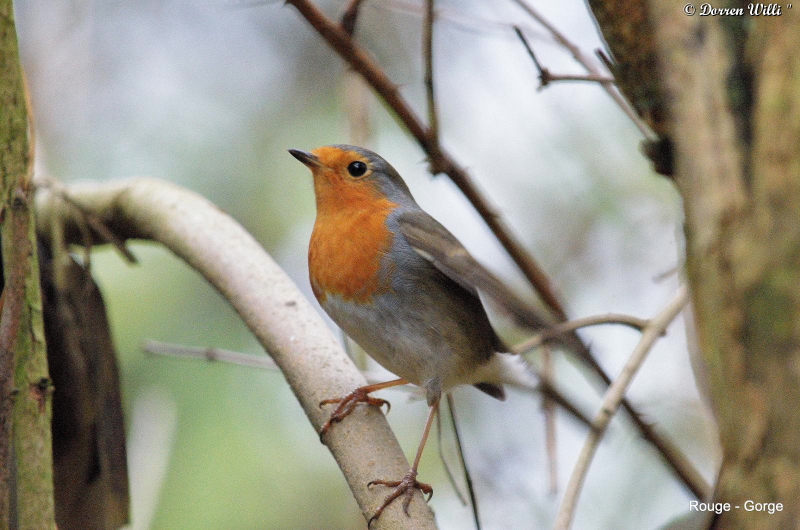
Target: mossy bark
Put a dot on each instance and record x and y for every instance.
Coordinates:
(733, 87)
(25, 388)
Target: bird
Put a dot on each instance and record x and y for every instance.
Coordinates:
(400, 285)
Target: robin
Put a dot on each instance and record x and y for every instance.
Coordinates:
(398, 283)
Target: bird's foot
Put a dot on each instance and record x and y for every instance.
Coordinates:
(403, 487)
(347, 403)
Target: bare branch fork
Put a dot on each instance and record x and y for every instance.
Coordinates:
(586, 62)
(358, 59)
(611, 403)
(268, 302)
(546, 77)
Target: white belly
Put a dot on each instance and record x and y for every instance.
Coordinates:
(404, 344)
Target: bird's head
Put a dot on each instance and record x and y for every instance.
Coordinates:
(345, 173)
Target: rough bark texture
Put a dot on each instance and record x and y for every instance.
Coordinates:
(630, 39)
(629, 36)
(734, 89)
(25, 390)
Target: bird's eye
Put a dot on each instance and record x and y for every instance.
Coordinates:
(357, 168)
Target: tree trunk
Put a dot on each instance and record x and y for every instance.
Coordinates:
(732, 89)
(26, 467)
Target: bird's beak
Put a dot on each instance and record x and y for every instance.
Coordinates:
(305, 157)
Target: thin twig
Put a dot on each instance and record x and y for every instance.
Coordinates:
(549, 408)
(546, 77)
(168, 349)
(611, 403)
(154, 347)
(473, 499)
(16, 270)
(529, 49)
(427, 54)
(357, 106)
(458, 19)
(450, 476)
(589, 65)
(563, 328)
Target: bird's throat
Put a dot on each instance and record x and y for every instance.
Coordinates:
(348, 244)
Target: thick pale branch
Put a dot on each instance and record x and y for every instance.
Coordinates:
(272, 307)
(611, 403)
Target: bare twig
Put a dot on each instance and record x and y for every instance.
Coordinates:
(450, 475)
(546, 77)
(451, 405)
(572, 325)
(25, 390)
(16, 258)
(427, 54)
(604, 59)
(351, 15)
(549, 408)
(458, 19)
(357, 104)
(589, 65)
(611, 402)
(154, 347)
(272, 307)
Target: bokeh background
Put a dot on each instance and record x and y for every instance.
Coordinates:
(211, 94)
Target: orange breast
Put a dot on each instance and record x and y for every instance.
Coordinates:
(347, 246)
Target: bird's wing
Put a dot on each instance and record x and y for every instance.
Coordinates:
(436, 244)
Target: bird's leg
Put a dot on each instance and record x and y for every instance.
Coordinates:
(409, 483)
(349, 401)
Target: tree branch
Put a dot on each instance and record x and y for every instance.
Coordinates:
(611, 403)
(276, 312)
(587, 63)
(427, 54)
(546, 77)
(568, 327)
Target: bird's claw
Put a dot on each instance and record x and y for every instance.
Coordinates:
(347, 404)
(404, 487)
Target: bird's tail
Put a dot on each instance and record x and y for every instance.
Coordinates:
(515, 371)
(506, 369)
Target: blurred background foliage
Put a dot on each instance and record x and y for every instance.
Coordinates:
(211, 94)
